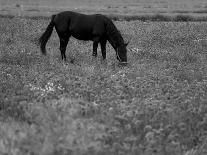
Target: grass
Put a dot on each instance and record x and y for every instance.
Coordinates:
(155, 105)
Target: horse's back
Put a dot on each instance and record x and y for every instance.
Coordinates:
(81, 26)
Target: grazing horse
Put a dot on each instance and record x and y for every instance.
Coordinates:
(96, 27)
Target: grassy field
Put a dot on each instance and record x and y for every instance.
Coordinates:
(154, 106)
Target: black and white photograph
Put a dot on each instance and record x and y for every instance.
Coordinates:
(103, 77)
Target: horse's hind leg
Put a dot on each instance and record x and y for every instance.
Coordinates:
(63, 45)
(95, 45)
(103, 48)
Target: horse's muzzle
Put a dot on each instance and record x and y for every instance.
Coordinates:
(123, 63)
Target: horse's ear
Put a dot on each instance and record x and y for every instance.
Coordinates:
(126, 43)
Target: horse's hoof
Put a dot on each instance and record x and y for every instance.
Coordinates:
(72, 61)
(94, 54)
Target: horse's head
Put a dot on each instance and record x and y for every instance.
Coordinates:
(121, 53)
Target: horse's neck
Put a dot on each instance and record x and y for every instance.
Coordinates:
(112, 42)
(114, 37)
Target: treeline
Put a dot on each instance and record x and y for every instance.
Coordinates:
(155, 17)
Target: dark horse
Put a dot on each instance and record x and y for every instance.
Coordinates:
(97, 28)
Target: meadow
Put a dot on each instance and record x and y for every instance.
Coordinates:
(154, 106)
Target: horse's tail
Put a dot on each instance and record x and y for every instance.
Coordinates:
(46, 35)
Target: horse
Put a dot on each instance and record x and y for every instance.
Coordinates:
(95, 27)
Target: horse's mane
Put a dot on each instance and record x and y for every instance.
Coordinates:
(113, 33)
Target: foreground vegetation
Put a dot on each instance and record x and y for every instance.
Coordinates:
(155, 105)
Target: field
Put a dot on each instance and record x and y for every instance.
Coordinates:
(156, 105)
